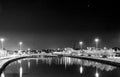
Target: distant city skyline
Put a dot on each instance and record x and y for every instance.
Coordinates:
(57, 41)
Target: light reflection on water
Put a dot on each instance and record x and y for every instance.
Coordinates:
(81, 69)
(36, 61)
(27, 63)
(2, 75)
(96, 74)
(70, 61)
(21, 71)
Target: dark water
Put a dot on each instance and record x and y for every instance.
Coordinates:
(59, 67)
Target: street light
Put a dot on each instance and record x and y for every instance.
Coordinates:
(2, 40)
(96, 41)
(20, 43)
(81, 43)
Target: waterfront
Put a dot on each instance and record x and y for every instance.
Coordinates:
(59, 67)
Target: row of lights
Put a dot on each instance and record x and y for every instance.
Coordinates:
(20, 43)
(96, 41)
(2, 43)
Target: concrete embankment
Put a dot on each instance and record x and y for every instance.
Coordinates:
(6, 60)
(115, 61)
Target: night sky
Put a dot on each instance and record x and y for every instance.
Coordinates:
(53, 23)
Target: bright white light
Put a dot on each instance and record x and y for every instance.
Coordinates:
(96, 40)
(20, 43)
(2, 39)
(21, 71)
(2, 75)
(96, 74)
(81, 69)
(80, 42)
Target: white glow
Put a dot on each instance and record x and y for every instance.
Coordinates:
(96, 74)
(96, 40)
(28, 64)
(81, 70)
(20, 43)
(2, 75)
(80, 42)
(28, 49)
(21, 71)
(19, 61)
(2, 39)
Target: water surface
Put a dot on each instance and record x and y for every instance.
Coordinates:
(59, 67)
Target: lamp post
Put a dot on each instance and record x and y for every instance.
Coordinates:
(81, 43)
(96, 41)
(20, 43)
(2, 40)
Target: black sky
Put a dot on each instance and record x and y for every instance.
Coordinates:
(51, 23)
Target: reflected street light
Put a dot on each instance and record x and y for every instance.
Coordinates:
(20, 43)
(2, 75)
(37, 61)
(81, 43)
(96, 73)
(20, 71)
(96, 41)
(28, 64)
(81, 69)
(2, 40)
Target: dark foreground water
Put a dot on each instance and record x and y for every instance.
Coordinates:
(59, 67)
